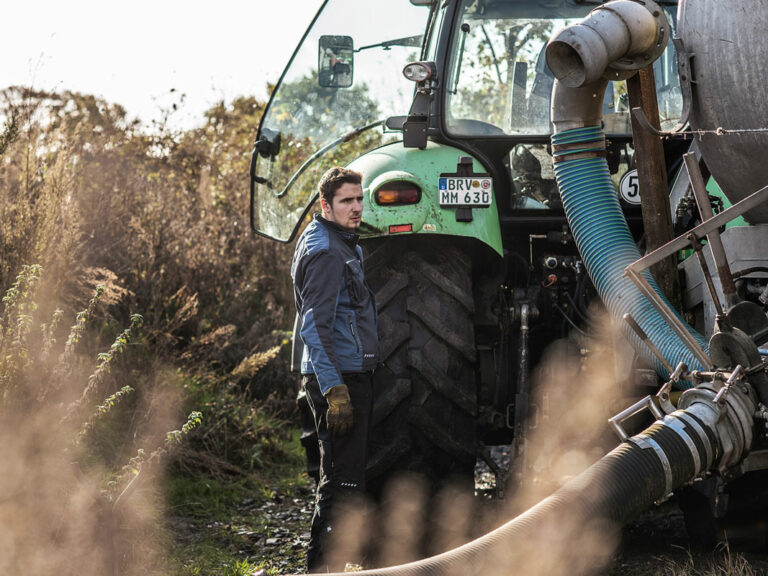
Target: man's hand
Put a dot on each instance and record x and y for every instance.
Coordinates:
(340, 417)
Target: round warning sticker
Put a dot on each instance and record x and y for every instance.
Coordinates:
(629, 188)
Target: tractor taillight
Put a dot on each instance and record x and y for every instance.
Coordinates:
(397, 193)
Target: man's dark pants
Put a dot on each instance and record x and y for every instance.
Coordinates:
(342, 463)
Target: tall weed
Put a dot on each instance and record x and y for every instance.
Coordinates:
(124, 219)
(84, 191)
(64, 507)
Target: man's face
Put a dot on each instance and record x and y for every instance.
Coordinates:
(346, 210)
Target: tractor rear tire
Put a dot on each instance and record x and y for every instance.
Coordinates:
(425, 391)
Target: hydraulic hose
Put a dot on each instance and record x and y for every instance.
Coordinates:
(640, 471)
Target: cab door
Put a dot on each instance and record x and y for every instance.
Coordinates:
(329, 107)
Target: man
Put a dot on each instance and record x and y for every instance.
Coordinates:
(337, 312)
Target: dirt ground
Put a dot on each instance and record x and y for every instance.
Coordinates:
(275, 534)
(655, 544)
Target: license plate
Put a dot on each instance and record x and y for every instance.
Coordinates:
(465, 191)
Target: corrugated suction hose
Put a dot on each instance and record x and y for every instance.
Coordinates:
(622, 484)
(606, 245)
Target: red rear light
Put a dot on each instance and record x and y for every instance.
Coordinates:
(397, 193)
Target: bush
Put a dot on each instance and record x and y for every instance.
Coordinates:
(161, 218)
(124, 220)
(65, 507)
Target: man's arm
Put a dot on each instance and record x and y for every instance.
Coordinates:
(322, 277)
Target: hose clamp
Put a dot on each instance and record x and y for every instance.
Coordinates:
(672, 422)
(693, 424)
(647, 443)
(592, 148)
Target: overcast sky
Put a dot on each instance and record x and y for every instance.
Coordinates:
(133, 53)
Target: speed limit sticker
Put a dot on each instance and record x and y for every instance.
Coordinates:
(629, 188)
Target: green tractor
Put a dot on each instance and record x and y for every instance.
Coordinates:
(444, 107)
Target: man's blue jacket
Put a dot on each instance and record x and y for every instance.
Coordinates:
(335, 304)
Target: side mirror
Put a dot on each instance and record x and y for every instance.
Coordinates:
(335, 61)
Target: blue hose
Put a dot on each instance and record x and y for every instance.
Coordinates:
(607, 247)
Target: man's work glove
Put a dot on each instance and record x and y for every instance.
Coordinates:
(340, 417)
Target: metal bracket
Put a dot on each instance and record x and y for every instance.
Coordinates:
(686, 80)
(700, 231)
(722, 394)
(617, 421)
(634, 271)
(713, 237)
(663, 394)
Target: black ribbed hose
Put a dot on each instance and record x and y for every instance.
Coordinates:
(640, 471)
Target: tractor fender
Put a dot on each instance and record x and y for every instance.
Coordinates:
(423, 168)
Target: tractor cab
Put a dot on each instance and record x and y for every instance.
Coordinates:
(470, 74)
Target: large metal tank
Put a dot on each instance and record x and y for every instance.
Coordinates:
(729, 46)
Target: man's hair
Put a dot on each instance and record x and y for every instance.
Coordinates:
(334, 178)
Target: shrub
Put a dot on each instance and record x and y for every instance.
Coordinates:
(161, 217)
(64, 509)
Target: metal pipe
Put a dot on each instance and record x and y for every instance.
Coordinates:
(522, 397)
(673, 322)
(612, 43)
(715, 242)
(647, 341)
(696, 245)
(590, 50)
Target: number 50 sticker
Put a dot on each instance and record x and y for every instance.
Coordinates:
(629, 187)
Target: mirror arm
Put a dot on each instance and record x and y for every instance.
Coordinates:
(268, 146)
(408, 41)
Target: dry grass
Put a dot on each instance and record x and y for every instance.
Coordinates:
(722, 563)
(66, 504)
(159, 222)
(164, 216)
